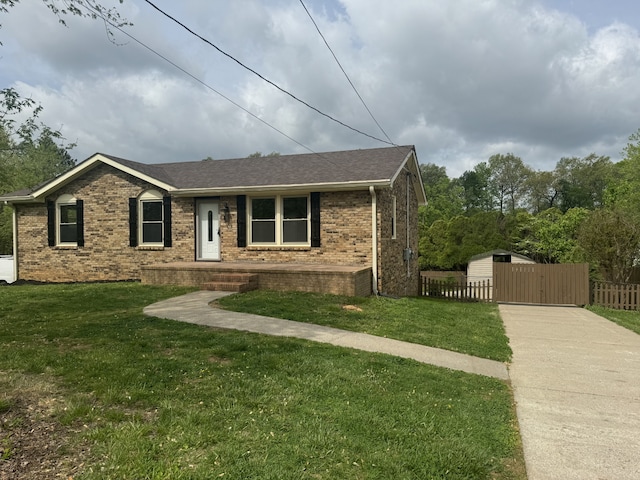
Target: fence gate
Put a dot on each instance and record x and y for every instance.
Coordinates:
(561, 284)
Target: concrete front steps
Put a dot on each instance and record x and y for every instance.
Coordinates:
(231, 282)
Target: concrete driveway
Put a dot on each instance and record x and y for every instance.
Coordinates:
(576, 381)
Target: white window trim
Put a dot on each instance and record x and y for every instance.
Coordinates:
(64, 201)
(279, 220)
(149, 196)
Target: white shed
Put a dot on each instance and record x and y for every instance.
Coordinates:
(480, 266)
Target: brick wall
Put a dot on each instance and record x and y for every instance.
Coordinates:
(350, 281)
(395, 275)
(345, 236)
(106, 254)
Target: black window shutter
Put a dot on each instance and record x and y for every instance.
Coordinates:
(315, 219)
(241, 201)
(166, 204)
(133, 222)
(51, 223)
(80, 222)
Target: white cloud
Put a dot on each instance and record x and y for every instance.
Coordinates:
(460, 80)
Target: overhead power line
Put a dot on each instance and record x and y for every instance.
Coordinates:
(139, 42)
(286, 92)
(202, 82)
(345, 73)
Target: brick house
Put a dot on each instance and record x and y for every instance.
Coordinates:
(338, 222)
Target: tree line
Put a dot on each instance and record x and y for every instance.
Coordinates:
(30, 153)
(585, 210)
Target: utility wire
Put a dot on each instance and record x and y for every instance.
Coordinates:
(203, 83)
(139, 42)
(345, 73)
(263, 78)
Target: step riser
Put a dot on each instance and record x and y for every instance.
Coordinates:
(233, 277)
(239, 287)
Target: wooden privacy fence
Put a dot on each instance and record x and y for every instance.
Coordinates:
(458, 291)
(619, 296)
(448, 275)
(550, 284)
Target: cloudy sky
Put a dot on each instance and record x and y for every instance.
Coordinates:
(459, 79)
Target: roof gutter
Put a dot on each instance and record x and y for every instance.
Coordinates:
(303, 187)
(374, 238)
(25, 199)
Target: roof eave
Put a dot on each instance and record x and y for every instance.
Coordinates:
(417, 181)
(88, 165)
(18, 199)
(305, 187)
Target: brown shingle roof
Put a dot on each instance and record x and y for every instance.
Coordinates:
(331, 167)
(342, 167)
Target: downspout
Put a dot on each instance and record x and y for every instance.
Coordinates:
(374, 238)
(14, 216)
(407, 222)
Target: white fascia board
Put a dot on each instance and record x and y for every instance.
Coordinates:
(417, 182)
(89, 164)
(422, 199)
(12, 200)
(301, 188)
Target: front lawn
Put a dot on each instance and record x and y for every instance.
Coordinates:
(472, 328)
(90, 388)
(625, 318)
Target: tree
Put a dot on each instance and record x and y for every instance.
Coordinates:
(551, 236)
(449, 244)
(623, 191)
(259, 155)
(30, 153)
(82, 8)
(582, 182)
(477, 193)
(444, 196)
(508, 178)
(542, 191)
(611, 239)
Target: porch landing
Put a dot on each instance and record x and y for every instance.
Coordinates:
(335, 279)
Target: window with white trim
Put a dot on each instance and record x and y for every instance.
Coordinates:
(66, 221)
(151, 228)
(279, 220)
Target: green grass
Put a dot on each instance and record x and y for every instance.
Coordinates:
(147, 398)
(626, 318)
(472, 328)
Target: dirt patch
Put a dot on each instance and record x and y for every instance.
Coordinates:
(33, 444)
(219, 360)
(352, 308)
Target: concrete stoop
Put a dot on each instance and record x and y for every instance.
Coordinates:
(232, 282)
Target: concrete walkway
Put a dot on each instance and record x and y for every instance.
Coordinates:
(576, 381)
(194, 308)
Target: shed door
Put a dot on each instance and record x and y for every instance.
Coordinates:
(208, 225)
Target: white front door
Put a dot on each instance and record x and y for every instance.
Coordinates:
(208, 230)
